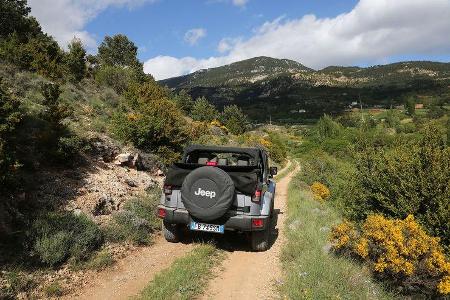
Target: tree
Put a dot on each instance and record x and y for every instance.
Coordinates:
(234, 119)
(117, 57)
(118, 50)
(151, 122)
(410, 106)
(55, 111)
(204, 111)
(14, 19)
(184, 101)
(76, 60)
(10, 117)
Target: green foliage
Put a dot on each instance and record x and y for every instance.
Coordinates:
(10, 117)
(16, 282)
(116, 77)
(234, 119)
(410, 106)
(183, 101)
(101, 260)
(151, 122)
(310, 271)
(76, 61)
(204, 111)
(408, 178)
(58, 236)
(136, 222)
(54, 289)
(326, 127)
(392, 118)
(186, 278)
(14, 17)
(117, 50)
(55, 111)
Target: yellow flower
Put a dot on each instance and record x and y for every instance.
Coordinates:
(320, 191)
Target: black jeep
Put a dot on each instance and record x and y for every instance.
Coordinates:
(215, 189)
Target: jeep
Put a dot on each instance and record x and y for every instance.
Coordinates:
(218, 189)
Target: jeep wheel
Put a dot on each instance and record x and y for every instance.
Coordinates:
(260, 239)
(172, 232)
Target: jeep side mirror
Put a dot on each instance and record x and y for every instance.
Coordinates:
(273, 171)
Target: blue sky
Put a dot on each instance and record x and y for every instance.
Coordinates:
(159, 28)
(176, 37)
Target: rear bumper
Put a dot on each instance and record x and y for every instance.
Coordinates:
(231, 222)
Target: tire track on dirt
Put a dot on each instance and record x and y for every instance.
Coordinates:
(252, 275)
(132, 274)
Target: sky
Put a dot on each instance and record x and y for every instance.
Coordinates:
(177, 37)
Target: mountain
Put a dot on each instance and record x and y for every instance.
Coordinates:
(288, 91)
(242, 72)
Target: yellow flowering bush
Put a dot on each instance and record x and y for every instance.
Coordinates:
(396, 249)
(320, 191)
(342, 235)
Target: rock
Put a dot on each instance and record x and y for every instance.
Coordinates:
(123, 159)
(131, 183)
(104, 206)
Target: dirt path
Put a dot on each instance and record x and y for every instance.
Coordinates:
(133, 273)
(250, 275)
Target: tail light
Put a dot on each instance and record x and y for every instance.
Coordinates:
(211, 163)
(257, 223)
(167, 189)
(257, 196)
(161, 213)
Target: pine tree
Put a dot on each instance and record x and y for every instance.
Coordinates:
(76, 61)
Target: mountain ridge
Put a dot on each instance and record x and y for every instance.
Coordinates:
(288, 90)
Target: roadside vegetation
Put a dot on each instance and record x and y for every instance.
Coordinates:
(386, 178)
(311, 271)
(64, 110)
(187, 277)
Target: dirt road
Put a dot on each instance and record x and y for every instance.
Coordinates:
(133, 273)
(250, 275)
(245, 274)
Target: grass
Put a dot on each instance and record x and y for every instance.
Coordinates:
(310, 270)
(54, 289)
(101, 260)
(186, 277)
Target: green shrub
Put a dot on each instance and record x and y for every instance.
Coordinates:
(234, 119)
(204, 111)
(136, 222)
(75, 61)
(326, 127)
(116, 77)
(10, 117)
(16, 282)
(151, 122)
(101, 260)
(58, 236)
(54, 289)
(410, 177)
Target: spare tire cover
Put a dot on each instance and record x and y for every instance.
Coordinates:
(207, 193)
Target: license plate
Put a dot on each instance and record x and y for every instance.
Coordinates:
(207, 227)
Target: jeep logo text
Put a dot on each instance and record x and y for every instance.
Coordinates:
(200, 192)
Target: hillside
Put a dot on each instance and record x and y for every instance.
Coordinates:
(297, 93)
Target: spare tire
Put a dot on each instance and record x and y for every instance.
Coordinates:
(207, 193)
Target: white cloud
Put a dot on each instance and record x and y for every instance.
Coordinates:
(239, 3)
(226, 44)
(193, 35)
(65, 19)
(372, 32)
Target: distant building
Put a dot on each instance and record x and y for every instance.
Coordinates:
(354, 103)
(418, 106)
